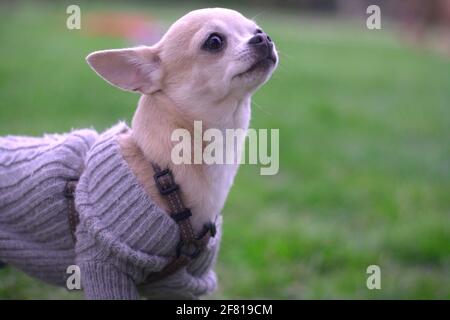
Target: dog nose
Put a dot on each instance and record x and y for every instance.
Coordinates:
(261, 39)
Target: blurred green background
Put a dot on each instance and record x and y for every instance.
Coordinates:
(364, 123)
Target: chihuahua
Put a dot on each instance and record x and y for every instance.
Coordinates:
(205, 68)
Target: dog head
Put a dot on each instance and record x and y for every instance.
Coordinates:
(209, 55)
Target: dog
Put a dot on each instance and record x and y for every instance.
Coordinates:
(205, 68)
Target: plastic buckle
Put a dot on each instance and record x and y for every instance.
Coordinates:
(190, 249)
(172, 187)
(69, 189)
(183, 215)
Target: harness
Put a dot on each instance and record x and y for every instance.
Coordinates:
(189, 246)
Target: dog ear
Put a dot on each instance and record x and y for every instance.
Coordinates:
(133, 69)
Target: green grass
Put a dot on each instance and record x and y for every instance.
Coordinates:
(364, 154)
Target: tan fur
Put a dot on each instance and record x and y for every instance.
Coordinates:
(181, 83)
(141, 168)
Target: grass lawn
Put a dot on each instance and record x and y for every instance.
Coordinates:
(364, 153)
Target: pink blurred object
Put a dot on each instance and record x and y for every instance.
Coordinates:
(136, 28)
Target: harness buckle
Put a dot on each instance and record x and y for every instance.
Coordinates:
(190, 248)
(172, 185)
(183, 215)
(69, 189)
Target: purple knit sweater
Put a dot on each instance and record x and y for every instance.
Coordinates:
(123, 236)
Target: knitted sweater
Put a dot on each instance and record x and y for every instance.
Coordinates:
(122, 237)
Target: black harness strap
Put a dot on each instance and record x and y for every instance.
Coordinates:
(74, 219)
(189, 245)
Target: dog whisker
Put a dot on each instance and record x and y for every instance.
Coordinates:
(261, 108)
(256, 16)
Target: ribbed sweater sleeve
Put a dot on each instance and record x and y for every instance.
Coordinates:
(34, 229)
(104, 281)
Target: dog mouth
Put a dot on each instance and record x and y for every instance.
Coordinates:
(264, 63)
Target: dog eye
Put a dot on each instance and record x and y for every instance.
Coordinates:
(214, 43)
